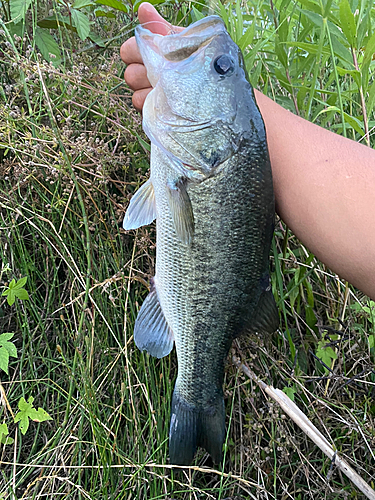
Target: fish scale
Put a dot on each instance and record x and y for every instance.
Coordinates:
(211, 193)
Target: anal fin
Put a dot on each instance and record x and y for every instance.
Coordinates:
(151, 330)
(142, 208)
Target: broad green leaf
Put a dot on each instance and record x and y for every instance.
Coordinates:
(11, 285)
(283, 80)
(327, 8)
(280, 52)
(342, 52)
(143, 143)
(318, 8)
(326, 354)
(16, 29)
(352, 72)
(314, 17)
(283, 27)
(15, 290)
(369, 50)
(4, 360)
(351, 120)
(11, 297)
(247, 38)
(311, 48)
(239, 20)
(79, 4)
(116, 4)
(254, 74)
(371, 341)
(81, 22)
(7, 349)
(21, 293)
(137, 3)
(4, 337)
(301, 97)
(4, 439)
(3, 432)
(318, 20)
(310, 317)
(311, 6)
(40, 415)
(355, 123)
(53, 22)
(224, 14)
(9, 346)
(284, 5)
(18, 9)
(348, 22)
(21, 283)
(196, 15)
(103, 13)
(310, 294)
(293, 294)
(290, 392)
(27, 411)
(96, 39)
(364, 27)
(47, 45)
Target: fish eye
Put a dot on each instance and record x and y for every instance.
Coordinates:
(224, 65)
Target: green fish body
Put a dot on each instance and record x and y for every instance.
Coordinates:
(211, 192)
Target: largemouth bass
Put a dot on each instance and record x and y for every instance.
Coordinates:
(210, 191)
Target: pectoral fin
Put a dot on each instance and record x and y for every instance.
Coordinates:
(181, 209)
(151, 330)
(142, 209)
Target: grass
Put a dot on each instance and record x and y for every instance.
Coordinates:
(71, 156)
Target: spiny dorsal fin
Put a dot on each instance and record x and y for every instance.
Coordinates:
(151, 330)
(142, 209)
(181, 209)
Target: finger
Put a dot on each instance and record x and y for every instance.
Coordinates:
(150, 18)
(136, 77)
(129, 52)
(153, 21)
(139, 98)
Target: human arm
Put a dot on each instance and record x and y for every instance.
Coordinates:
(324, 183)
(325, 192)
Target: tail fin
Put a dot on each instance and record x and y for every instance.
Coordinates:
(191, 427)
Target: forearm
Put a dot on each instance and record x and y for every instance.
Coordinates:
(325, 192)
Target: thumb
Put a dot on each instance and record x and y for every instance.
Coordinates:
(150, 18)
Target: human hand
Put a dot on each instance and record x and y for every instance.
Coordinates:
(135, 74)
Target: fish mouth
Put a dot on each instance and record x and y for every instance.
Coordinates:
(178, 47)
(156, 50)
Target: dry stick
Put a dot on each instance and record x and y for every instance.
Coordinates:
(291, 409)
